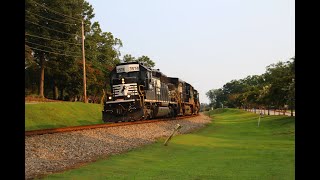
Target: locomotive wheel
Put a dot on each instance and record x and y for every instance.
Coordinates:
(172, 112)
(151, 115)
(146, 115)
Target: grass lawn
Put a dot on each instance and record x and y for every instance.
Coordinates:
(231, 147)
(61, 114)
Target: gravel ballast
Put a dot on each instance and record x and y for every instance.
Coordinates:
(49, 153)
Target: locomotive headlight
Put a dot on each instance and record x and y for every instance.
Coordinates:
(110, 98)
(128, 96)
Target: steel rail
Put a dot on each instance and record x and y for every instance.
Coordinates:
(77, 128)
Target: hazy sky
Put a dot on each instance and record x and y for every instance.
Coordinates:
(206, 43)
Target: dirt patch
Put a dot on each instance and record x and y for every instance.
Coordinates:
(34, 100)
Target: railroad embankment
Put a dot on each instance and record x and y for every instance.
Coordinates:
(48, 153)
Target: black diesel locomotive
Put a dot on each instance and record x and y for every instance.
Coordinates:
(138, 92)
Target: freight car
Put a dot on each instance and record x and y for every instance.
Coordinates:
(138, 92)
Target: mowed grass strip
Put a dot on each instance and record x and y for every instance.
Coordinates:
(61, 114)
(231, 147)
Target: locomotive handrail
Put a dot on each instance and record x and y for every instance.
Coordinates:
(141, 92)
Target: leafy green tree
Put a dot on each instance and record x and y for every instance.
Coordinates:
(276, 88)
(280, 77)
(204, 107)
(232, 91)
(264, 97)
(143, 59)
(101, 58)
(58, 55)
(212, 97)
(146, 61)
(29, 60)
(216, 97)
(128, 58)
(51, 34)
(291, 86)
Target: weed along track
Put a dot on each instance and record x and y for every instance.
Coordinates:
(77, 128)
(57, 152)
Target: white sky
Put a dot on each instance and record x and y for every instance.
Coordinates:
(206, 43)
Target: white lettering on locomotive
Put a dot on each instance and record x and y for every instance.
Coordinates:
(127, 68)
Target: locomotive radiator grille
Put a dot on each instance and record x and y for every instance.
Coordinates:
(125, 89)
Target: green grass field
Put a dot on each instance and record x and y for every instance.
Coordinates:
(61, 114)
(231, 147)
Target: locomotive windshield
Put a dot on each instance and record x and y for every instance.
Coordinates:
(130, 77)
(124, 75)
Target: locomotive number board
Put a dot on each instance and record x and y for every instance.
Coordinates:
(127, 68)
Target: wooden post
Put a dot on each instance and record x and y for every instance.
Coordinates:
(41, 88)
(174, 130)
(84, 68)
(259, 119)
(102, 98)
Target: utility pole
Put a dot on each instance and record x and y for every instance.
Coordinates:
(84, 68)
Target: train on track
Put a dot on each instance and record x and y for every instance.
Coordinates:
(140, 93)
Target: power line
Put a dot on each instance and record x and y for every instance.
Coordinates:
(79, 20)
(52, 52)
(51, 19)
(51, 39)
(47, 47)
(49, 28)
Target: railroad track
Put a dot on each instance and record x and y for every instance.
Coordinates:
(77, 128)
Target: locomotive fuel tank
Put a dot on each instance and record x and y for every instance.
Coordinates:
(162, 111)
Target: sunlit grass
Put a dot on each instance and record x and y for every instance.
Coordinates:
(61, 114)
(231, 147)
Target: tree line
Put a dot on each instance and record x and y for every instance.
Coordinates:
(275, 89)
(53, 51)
